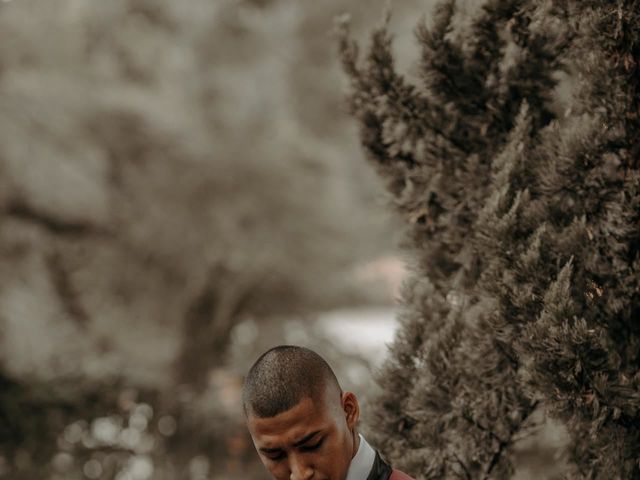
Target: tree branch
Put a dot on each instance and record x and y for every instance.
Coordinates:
(57, 226)
(505, 444)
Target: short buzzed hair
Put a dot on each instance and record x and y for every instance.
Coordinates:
(282, 377)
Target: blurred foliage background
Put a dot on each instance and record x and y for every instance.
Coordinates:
(180, 189)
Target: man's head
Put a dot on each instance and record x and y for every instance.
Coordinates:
(302, 424)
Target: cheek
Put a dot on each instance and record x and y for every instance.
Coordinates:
(277, 470)
(334, 459)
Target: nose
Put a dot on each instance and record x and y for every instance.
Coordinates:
(300, 470)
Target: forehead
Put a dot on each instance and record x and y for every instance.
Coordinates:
(288, 427)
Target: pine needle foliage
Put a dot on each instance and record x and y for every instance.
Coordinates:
(524, 220)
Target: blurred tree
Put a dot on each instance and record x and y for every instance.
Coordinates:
(524, 212)
(158, 186)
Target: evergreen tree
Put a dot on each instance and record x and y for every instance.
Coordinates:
(525, 227)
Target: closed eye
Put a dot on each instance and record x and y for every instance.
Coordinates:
(310, 448)
(275, 456)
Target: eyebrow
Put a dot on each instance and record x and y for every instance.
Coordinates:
(302, 441)
(306, 438)
(270, 450)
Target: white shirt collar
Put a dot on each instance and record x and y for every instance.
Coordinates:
(362, 462)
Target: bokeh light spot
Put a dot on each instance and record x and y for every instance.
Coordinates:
(167, 425)
(141, 467)
(92, 469)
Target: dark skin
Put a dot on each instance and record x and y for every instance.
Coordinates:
(314, 440)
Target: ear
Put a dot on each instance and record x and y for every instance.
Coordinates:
(351, 409)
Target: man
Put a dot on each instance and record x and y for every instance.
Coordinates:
(303, 425)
